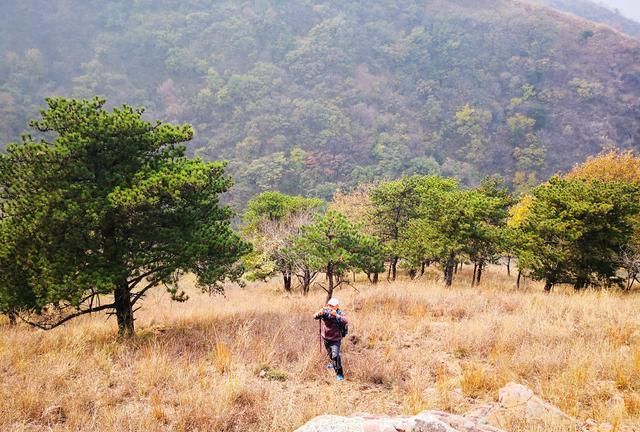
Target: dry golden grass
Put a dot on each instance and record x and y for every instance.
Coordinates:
(251, 361)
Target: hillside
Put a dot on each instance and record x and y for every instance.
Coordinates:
(600, 12)
(250, 361)
(629, 8)
(307, 96)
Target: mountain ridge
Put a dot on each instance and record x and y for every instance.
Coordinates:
(307, 97)
(594, 12)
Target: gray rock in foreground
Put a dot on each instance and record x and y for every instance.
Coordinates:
(515, 402)
(427, 421)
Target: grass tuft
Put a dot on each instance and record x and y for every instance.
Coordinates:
(221, 357)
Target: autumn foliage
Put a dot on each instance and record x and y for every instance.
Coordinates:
(614, 165)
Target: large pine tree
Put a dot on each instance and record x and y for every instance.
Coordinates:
(105, 207)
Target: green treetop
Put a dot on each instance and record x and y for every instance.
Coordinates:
(272, 221)
(394, 204)
(334, 245)
(453, 223)
(107, 204)
(573, 230)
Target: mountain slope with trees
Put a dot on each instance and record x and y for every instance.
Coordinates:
(309, 96)
(600, 12)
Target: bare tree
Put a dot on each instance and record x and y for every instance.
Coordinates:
(630, 262)
(276, 244)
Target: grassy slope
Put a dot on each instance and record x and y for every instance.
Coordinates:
(195, 366)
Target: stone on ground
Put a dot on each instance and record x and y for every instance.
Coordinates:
(427, 421)
(517, 405)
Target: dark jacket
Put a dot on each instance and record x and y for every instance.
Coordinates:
(331, 326)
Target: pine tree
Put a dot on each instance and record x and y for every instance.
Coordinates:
(105, 207)
(334, 246)
(573, 230)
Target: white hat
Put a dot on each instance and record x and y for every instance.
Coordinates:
(333, 302)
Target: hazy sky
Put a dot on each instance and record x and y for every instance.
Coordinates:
(629, 8)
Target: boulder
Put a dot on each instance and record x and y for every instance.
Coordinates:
(427, 421)
(520, 398)
(517, 403)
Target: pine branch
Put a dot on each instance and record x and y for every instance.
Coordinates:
(133, 282)
(137, 296)
(50, 326)
(323, 287)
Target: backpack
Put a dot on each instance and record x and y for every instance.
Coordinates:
(344, 328)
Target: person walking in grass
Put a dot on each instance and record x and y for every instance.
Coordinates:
(333, 327)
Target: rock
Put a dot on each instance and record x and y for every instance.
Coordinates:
(625, 350)
(517, 402)
(54, 414)
(616, 402)
(481, 413)
(605, 427)
(427, 421)
(591, 425)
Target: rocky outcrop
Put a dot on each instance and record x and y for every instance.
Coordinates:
(517, 402)
(517, 405)
(428, 421)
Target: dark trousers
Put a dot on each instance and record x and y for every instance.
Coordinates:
(333, 349)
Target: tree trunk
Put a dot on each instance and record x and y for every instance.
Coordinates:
(473, 278)
(518, 280)
(331, 283)
(630, 281)
(423, 268)
(548, 285)
(372, 277)
(286, 276)
(448, 274)
(394, 267)
(508, 265)
(306, 281)
(124, 309)
(479, 274)
(581, 282)
(413, 273)
(13, 319)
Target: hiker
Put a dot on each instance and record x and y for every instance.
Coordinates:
(333, 327)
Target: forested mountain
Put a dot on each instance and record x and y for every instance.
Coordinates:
(305, 96)
(601, 12)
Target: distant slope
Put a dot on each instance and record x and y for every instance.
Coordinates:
(306, 96)
(598, 12)
(628, 8)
